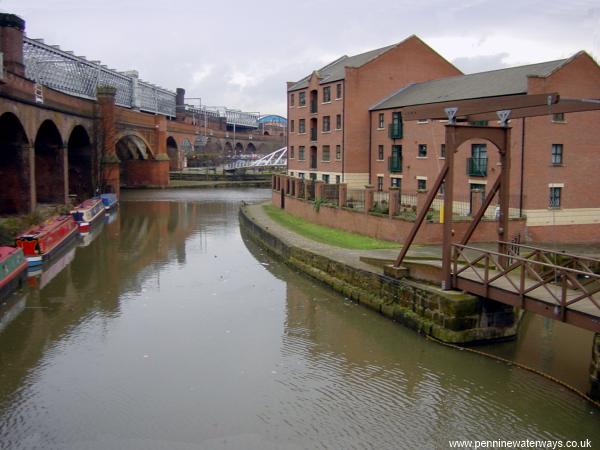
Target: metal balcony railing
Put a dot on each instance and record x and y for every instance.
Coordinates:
(477, 167)
(395, 163)
(313, 107)
(313, 134)
(395, 130)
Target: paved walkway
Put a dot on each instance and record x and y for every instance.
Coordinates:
(347, 256)
(352, 257)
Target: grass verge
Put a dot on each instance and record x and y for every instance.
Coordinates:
(326, 235)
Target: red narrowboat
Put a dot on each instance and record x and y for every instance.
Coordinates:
(41, 242)
(13, 269)
(88, 213)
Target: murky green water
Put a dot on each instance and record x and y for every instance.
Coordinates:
(169, 331)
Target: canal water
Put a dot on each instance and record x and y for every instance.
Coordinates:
(170, 330)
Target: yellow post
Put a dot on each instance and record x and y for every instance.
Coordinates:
(442, 213)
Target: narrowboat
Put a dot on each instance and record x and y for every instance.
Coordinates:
(41, 242)
(13, 269)
(40, 276)
(89, 212)
(109, 200)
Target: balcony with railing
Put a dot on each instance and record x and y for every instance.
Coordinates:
(313, 134)
(395, 130)
(477, 167)
(313, 107)
(395, 164)
(313, 159)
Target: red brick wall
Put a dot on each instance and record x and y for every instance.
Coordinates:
(385, 228)
(146, 173)
(567, 234)
(411, 61)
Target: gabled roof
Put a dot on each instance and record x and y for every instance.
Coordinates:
(510, 81)
(335, 70)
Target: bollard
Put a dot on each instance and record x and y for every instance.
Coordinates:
(342, 195)
(394, 201)
(319, 190)
(369, 195)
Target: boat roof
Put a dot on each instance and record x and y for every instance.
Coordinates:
(5, 252)
(46, 226)
(87, 204)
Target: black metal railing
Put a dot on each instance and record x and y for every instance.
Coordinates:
(313, 107)
(477, 167)
(313, 161)
(396, 130)
(395, 163)
(331, 193)
(313, 134)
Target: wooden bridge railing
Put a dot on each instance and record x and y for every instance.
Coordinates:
(564, 279)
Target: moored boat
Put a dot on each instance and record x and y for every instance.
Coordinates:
(13, 269)
(87, 213)
(41, 242)
(109, 200)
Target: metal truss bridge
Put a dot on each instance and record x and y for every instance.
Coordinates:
(63, 71)
(276, 159)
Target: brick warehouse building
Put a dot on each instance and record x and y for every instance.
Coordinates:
(555, 158)
(328, 111)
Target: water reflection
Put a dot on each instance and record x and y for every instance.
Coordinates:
(170, 331)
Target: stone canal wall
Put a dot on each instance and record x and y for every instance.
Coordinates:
(449, 316)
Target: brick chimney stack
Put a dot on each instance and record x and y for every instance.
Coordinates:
(12, 30)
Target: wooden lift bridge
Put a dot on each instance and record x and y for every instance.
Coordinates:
(557, 285)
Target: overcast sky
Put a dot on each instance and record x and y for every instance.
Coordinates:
(240, 53)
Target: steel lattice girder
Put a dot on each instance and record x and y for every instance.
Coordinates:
(75, 75)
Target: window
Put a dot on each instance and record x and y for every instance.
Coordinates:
(381, 123)
(302, 126)
(396, 182)
(292, 152)
(422, 152)
(338, 179)
(302, 98)
(555, 193)
(443, 151)
(380, 183)
(338, 122)
(325, 178)
(558, 117)
(326, 94)
(338, 90)
(396, 129)
(557, 154)
(326, 123)
(292, 99)
(313, 176)
(380, 153)
(421, 185)
(291, 174)
(338, 152)
(291, 126)
(301, 175)
(301, 153)
(326, 153)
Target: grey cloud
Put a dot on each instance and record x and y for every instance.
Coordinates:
(481, 63)
(167, 42)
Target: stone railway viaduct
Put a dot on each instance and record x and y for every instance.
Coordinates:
(54, 145)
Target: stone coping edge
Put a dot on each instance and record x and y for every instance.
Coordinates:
(404, 301)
